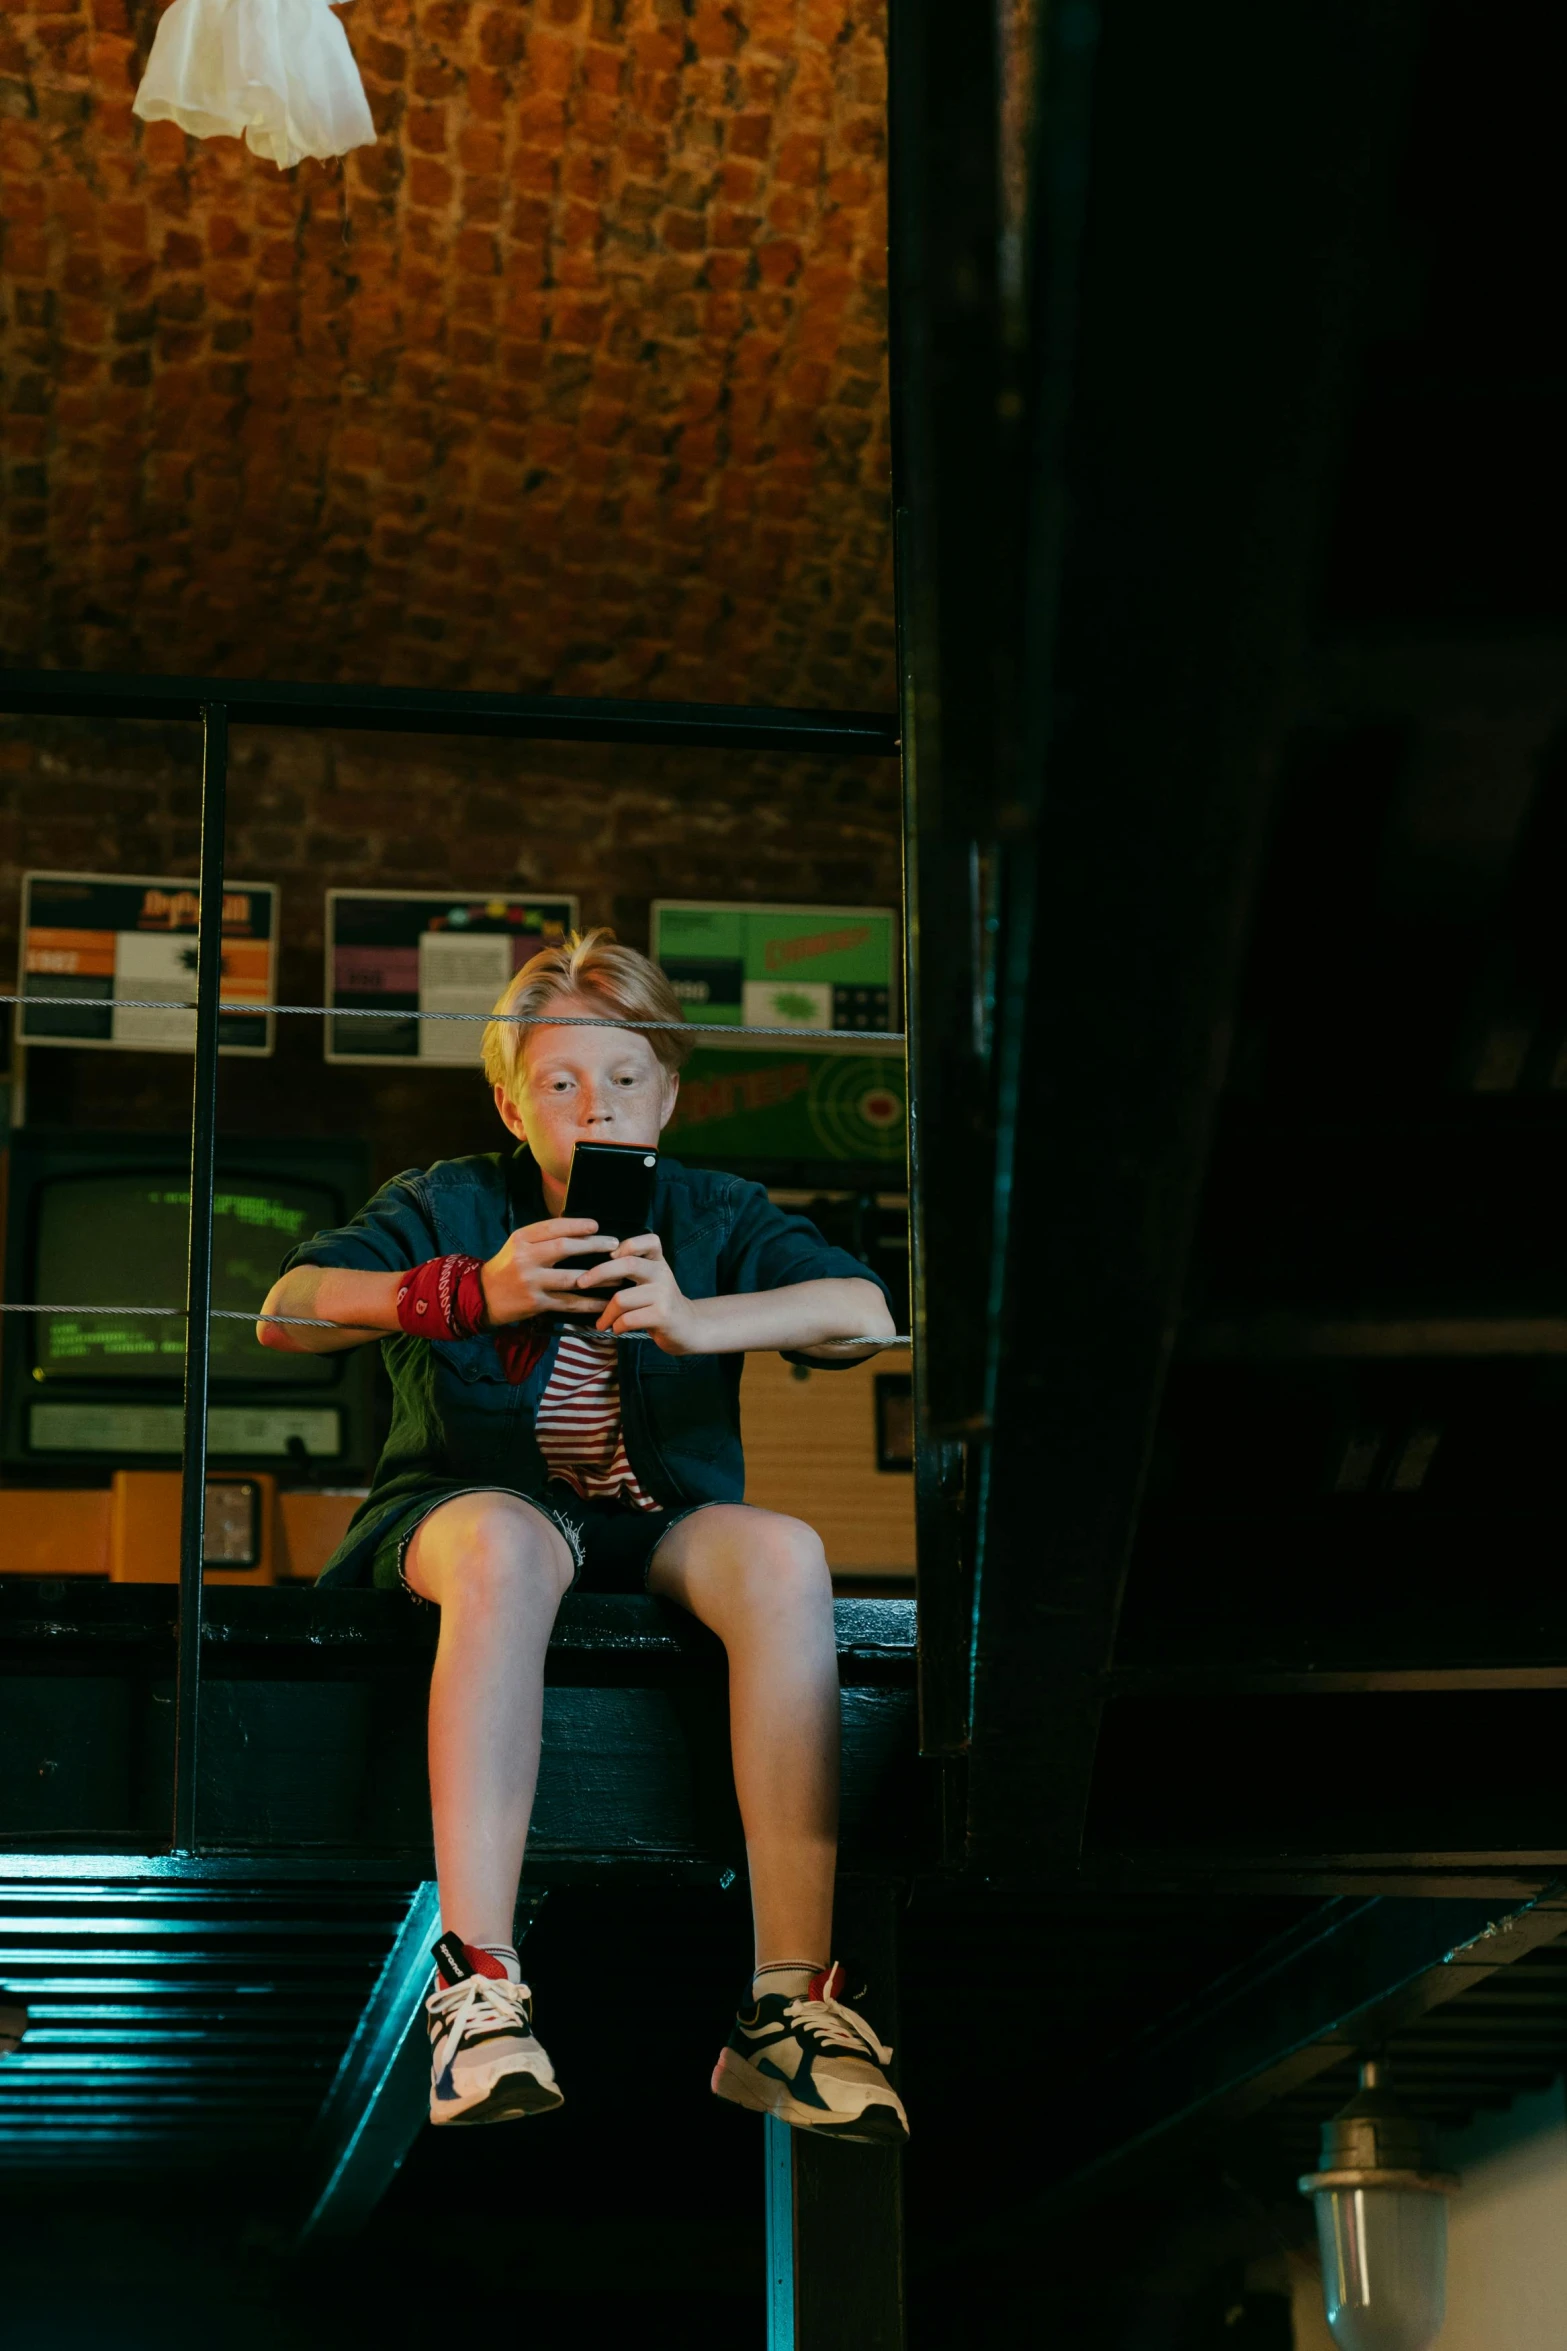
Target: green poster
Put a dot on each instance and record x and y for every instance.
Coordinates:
(831, 969)
(818, 1106)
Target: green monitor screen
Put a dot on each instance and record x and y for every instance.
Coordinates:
(119, 1239)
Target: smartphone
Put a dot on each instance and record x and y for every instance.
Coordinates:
(612, 1183)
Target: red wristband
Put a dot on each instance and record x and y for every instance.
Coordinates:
(442, 1299)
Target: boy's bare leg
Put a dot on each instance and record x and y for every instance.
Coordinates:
(761, 1582)
(496, 1569)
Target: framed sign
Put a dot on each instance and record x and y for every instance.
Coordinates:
(128, 942)
(833, 968)
(393, 953)
(827, 968)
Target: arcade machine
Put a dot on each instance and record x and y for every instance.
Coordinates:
(90, 1402)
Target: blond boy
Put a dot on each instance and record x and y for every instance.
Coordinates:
(550, 1431)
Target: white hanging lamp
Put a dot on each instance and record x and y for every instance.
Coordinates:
(1381, 2223)
(278, 74)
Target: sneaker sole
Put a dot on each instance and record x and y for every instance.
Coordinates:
(512, 2100)
(876, 2125)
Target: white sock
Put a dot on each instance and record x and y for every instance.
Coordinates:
(791, 1977)
(507, 1956)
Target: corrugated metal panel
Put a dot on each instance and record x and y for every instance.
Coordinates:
(175, 2024)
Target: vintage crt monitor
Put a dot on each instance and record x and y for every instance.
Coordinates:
(103, 1220)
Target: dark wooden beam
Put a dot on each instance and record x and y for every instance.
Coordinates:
(1230, 177)
(1336, 1777)
(313, 1729)
(1411, 1586)
(946, 360)
(1259, 1681)
(295, 1627)
(954, 628)
(975, 116)
(1339, 1984)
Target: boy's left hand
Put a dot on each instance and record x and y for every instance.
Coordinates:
(654, 1303)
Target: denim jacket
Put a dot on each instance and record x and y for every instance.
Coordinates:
(457, 1421)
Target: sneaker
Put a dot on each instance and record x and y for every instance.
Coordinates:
(811, 2061)
(485, 2065)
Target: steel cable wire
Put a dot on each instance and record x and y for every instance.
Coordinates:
(316, 1322)
(526, 1020)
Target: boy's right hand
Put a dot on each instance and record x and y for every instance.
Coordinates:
(525, 1276)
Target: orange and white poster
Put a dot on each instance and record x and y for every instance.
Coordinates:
(109, 960)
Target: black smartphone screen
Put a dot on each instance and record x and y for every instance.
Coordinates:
(612, 1183)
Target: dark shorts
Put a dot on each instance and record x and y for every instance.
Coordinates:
(612, 1545)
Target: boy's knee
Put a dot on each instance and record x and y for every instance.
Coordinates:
(499, 1554)
(740, 1567)
(787, 1556)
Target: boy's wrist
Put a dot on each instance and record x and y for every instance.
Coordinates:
(699, 1317)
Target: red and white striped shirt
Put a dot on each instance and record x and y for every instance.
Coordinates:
(578, 1425)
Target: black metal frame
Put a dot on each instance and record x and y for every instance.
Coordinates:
(410, 710)
(198, 1270)
(217, 704)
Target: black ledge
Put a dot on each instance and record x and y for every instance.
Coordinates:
(411, 710)
(62, 1624)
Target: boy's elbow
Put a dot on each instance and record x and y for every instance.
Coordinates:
(877, 1323)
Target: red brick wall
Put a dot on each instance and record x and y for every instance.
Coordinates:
(312, 812)
(574, 382)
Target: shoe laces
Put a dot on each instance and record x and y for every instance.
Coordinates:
(480, 2003)
(832, 2021)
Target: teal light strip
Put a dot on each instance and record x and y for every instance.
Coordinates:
(778, 2157)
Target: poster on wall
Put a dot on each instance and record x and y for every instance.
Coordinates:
(393, 953)
(128, 943)
(829, 969)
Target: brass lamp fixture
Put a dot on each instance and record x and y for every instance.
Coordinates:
(1381, 2223)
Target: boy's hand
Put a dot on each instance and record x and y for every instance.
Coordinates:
(654, 1303)
(525, 1276)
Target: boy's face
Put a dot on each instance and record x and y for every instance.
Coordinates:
(589, 1085)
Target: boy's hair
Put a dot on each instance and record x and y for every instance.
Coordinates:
(592, 965)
